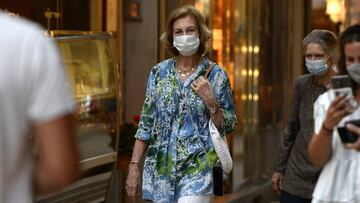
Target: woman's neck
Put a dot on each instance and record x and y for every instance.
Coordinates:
(186, 63)
(325, 79)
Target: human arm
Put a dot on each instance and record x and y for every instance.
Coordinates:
(277, 181)
(143, 135)
(133, 179)
(50, 106)
(218, 95)
(203, 89)
(355, 129)
(290, 131)
(287, 138)
(57, 163)
(320, 145)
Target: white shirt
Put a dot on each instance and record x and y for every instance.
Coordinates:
(339, 180)
(32, 90)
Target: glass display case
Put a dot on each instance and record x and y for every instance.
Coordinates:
(93, 76)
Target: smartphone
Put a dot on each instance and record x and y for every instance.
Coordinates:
(347, 136)
(342, 85)
(340, 81)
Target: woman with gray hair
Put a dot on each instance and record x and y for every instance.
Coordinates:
(294, 176)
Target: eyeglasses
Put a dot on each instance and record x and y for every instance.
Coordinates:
(314, 56)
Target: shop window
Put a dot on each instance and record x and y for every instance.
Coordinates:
(334, 15)
(235, 46)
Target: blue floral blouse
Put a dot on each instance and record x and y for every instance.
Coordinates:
(174, 121)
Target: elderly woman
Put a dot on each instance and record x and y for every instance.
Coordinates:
(294, 176)
(340, 178)
(174, 121)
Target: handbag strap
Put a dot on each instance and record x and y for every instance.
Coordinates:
(211, 66)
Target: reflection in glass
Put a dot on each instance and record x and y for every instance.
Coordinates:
(91, 70)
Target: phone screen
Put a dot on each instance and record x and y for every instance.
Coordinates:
(342, 85)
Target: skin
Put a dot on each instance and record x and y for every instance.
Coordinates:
(352, 53)
(133, 179)
(57, 156)
(314, 51)
(320, 145)
(277, 179)
(186, 26)
(201, 86)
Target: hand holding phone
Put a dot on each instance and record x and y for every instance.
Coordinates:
(342, 85)
(356, 130)
(346, 135)
(340, 107)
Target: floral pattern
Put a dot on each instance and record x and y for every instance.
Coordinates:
(174, 121)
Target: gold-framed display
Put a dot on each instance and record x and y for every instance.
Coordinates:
(92, 72)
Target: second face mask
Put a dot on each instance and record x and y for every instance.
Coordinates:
(354, 72)
(317, 67)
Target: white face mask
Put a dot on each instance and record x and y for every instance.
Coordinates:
(316, 67)
(187, 45)
(354, 72)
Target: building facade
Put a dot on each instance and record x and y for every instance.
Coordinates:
(258, 42)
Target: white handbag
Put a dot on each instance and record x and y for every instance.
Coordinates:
(221, 148)
(219, 142)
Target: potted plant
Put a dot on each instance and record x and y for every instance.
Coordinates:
(127, 136)
(126, 145)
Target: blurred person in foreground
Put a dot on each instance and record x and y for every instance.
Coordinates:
(294, 176)
(340, 178)
(174, 121)
(34, 102)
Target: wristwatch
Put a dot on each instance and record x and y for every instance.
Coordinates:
(213, 109)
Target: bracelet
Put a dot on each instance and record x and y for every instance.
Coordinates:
(214, 108)
(134, 163)
(132, 166)
(326, 128)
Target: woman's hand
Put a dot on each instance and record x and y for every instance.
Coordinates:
(277, 180)
(133, 181)
(203, 89)
(355, 130)
(338, 109)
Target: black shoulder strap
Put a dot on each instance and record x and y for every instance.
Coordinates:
(211, 66)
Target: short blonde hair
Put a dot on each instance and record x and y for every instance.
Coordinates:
(187, 10)
(326, 39)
